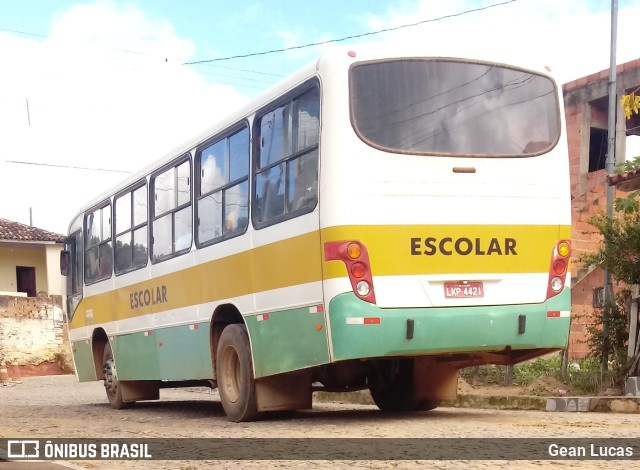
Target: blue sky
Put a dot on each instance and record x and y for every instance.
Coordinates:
(106, 87)
(220, 29)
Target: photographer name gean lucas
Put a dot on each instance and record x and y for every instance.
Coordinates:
(592, 450)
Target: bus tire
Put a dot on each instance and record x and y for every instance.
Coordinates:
(111, 383)
(428, 405)
(397, 395)
(235, 375)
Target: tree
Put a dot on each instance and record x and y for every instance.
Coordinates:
(619, 251)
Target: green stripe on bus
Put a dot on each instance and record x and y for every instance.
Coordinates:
(175, 353)
(281, 342)
(356, 332)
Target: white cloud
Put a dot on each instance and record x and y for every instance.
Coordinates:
(106, 89)
(565, 35)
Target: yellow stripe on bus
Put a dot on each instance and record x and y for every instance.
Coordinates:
(393, 250)
(455, 249)
(286, 263)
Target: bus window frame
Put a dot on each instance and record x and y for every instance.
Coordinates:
(130, 190)
(99, 206)
(377, 146)
(71, 243)
(197, 179)
(283, 100)
(175, 163)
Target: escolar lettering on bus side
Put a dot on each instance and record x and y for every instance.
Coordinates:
(146, 297)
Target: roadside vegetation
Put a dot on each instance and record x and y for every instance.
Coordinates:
(583, 377)
(607, 365)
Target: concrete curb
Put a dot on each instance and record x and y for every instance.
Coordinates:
(593, 404)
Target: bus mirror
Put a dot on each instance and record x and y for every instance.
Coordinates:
(64, 263)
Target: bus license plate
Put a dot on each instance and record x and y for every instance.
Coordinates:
(463, 290)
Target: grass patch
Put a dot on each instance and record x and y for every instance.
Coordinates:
(582, 377)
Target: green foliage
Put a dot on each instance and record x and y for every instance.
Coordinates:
(528, 372)
(620, 249)
(629, 204)
(583, 377)
(628, 165)
(523, 374)
(620, 254)
(613, 341)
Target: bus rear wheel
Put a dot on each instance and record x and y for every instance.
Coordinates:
(111, 383)
(235, 375)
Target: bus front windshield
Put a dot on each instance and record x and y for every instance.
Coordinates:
(448, 107)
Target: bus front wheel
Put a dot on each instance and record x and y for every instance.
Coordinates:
(235, 374)
(111, 383)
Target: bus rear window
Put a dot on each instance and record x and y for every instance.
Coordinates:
(447, 107)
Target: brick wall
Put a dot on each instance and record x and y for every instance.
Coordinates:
(32, 330)
(581, 313)
(584, 110)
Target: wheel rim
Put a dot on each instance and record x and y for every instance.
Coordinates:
(231, 374)
(110, 377)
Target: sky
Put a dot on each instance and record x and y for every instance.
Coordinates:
(93, 90)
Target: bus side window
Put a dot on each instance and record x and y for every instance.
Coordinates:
(305, 181)
(171, 221)
(130, 212)
(223, 186)
(286, 180)
(98, 252)
(273, 193)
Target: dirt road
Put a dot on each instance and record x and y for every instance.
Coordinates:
(60, 407)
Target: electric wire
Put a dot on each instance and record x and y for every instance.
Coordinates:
(354, 36)
(18, 162)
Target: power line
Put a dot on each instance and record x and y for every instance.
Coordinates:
(65, 166)
(129, 51)
(23, 32)
(247, 70)
(355, 36)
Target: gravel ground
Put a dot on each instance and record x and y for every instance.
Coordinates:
(60, 407)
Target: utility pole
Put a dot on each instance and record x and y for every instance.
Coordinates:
(611, 158)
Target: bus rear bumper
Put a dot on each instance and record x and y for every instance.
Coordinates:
(513, 332)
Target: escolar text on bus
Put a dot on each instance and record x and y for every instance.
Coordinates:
(463, 246)
(146, 297)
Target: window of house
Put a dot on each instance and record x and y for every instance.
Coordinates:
(286, 171)
(98, 254)
(598, 147)
(223, 187)
(171, 226)
(130, 213)
(26, 280)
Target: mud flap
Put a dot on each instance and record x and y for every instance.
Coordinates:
(433, 380)
(136, 390)
(291, 391)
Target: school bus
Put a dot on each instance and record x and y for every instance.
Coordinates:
(378, 220)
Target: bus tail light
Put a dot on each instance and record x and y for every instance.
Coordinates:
(356, 259)
(558, 268)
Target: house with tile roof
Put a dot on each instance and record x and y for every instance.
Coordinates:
(29, 260)
(32, 322)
